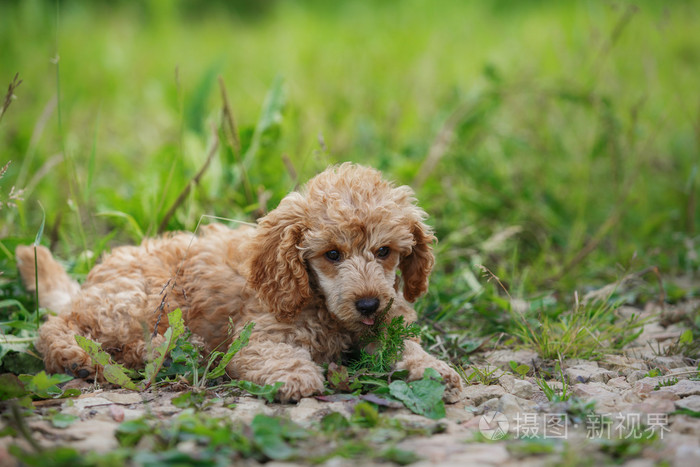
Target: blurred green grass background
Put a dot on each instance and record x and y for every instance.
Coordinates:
(556, 143)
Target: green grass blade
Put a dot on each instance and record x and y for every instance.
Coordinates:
(233, 349)
(40, 232)
(131, 221)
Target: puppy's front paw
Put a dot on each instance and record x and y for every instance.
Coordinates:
(417, 366)
(84, 370)
(453, 382)
(300, 384)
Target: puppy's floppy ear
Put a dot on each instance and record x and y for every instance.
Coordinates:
(277, 270)
(416, 267)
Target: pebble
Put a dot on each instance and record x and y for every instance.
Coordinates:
(478, 393)
(683, 388)
(588, 372)
(517, 387)
(689, 403)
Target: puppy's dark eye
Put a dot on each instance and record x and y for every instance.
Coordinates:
(383, 252)
(333, 255)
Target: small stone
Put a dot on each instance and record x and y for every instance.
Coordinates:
(458, 414)
(88, 435)
(445, 449)
(586, 373)
(674, 361)
(652, 334)
(515, 386)
(523, 389)
(640, 463)
(502, 358)
(489, 405)
(685, 425)
(479, 393)
(689, 403)
(248, 407)
(305, 411)
(117, 413)
(623, 365)
(647, 385)
(620, 383)
(606, 400)
(664, 395)
(683, 388)
(574, 362)
(637, 375)
(512, 406)
(683, 371)
(123, 398)
(506, 381)
(481, 454)
(687, 455)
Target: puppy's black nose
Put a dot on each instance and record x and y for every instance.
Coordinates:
(367, 306)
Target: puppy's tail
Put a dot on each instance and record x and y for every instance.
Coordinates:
(56, 289)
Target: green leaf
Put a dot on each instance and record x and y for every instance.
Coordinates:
(267, 392)
(16, 359)
(686, 337)
(129, 433)
(94, 350)
(115, 373)
(399, 456)
(271, 434)
(131, 221)
(270, 117)
(195, 112)
(192, 399)
(424, 396)
(334, 422)
(176, 326)
(11, 387)
(176, 323)
(63, 420)
(338, 378)
(12, 303)
(44, 386)
(520, 370)
(365, 415)
(53, 456)
(240, 342)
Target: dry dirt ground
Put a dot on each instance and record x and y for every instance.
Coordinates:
(636, 419)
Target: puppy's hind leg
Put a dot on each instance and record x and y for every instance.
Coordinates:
(56, 289)
(110, 319)
(61, 352)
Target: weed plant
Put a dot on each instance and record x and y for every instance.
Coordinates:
(383, 345)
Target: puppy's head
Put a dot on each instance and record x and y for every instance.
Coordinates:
(344, 238)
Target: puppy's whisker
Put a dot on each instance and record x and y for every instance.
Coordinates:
(227, 219)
